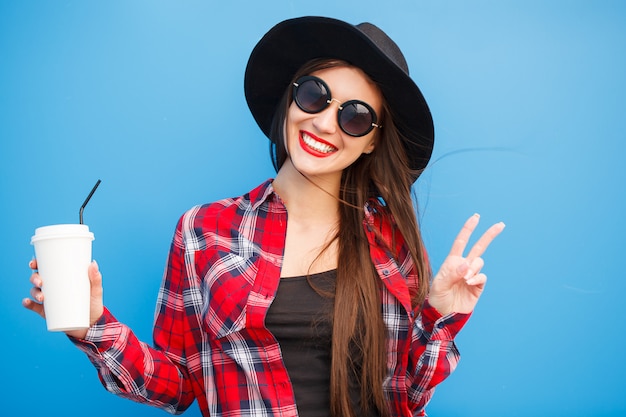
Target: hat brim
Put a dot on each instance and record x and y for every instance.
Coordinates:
(292, 43)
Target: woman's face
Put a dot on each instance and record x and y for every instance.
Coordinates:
(316, 144)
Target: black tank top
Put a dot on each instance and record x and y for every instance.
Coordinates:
(300, 318)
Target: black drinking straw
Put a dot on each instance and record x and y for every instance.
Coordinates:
(93, 190)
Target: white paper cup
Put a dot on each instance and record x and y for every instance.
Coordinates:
(63, 253)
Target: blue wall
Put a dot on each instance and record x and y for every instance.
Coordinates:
(528, 101)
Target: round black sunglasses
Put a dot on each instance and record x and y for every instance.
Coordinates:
(355, 117)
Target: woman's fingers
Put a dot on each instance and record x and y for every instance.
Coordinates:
(34, 306)
(478, 280)
(485, 240)
(459, 244)
(459, 283)
(35, 279)
(36, 303)
(474, 267)
(36, 294)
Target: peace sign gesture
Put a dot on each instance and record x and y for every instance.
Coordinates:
(459, 282)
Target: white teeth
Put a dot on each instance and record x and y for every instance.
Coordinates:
(320, 147)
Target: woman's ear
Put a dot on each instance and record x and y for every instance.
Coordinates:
(370, 148)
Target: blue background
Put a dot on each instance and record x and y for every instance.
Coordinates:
(528, 102)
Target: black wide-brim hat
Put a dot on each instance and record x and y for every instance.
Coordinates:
(294, 42)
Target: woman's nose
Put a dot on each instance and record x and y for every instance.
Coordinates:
(326, 120)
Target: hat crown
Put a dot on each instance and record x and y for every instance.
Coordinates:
(386, 45)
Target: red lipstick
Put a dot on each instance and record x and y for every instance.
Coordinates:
(315, 146)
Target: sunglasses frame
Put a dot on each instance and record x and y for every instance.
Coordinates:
(329, 100)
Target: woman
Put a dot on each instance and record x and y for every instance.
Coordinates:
(310, 295)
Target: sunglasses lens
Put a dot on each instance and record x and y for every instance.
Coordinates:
(311, 96)
(356, 118)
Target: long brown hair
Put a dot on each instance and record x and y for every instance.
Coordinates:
(359, 333)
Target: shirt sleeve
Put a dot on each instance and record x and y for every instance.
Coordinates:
(433, 352)
(131, 368)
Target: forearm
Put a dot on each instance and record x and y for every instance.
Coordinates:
(130, 368)
(434, 352)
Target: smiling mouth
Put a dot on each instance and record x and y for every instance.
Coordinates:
(316, 145)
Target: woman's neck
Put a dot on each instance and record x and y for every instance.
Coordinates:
(313, 207)
(311, 199)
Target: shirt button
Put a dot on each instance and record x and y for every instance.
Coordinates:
(386, 272)
(441, 325)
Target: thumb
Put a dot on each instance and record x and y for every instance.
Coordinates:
(95, 279)
(94, 271)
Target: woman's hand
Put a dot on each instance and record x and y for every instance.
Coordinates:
(96, 306)
(459, 282)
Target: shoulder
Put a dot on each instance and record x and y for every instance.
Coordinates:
(226, 213)
(230, 204)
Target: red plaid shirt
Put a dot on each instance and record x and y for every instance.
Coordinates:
(210, 341)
